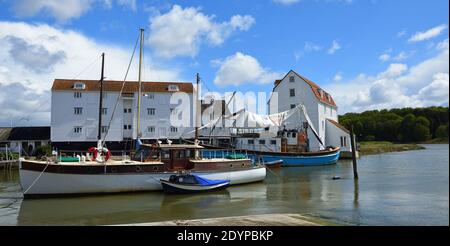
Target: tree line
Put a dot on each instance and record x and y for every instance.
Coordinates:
(399, 125)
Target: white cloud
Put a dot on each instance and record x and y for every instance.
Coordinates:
(384, 57)
(398, 58)
(335, 46)
(394, 70)
(437, 90)
(428, 34)
(310, 47)
(180, 32)
(401, 33)
(286, 2)
(61, 10)
(32, 56)
(240, 68)
(421, 85)
(337, 77)
(401, 56)
(131, 4)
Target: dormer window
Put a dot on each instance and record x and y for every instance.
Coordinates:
(291, 79)
(320, 93)
(173, 88)
(79, 86)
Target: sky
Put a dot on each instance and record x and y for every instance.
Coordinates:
(368, 54)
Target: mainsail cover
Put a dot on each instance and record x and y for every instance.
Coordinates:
(248, 120)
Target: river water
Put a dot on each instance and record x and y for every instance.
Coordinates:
(402, 188)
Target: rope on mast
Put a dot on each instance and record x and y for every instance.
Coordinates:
(120, 93)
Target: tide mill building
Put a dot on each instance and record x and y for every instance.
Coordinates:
(75, 112)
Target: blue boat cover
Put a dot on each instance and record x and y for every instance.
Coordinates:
(208, 182)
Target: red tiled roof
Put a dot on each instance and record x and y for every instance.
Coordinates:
(324, 97)
(339, 126)
(114, 85)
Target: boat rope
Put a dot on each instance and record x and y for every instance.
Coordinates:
(36, 179)
(87, 67)
(121, 90)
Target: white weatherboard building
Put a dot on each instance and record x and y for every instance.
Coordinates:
(75, 112)
(294, 89)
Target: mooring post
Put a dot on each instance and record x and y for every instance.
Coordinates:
(355, 165)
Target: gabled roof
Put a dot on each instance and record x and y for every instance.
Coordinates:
(338, 125)
(322, 97)
(25, 133)
(114, 85)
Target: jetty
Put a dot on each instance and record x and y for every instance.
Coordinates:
(250, 220)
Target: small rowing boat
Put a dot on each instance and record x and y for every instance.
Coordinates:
(188, 183)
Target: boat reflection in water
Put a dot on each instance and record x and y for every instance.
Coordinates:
(140, 207)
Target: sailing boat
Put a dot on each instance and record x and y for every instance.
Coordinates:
(299, 156)
(153, 163)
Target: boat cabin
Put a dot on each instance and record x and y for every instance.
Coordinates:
(174, 156)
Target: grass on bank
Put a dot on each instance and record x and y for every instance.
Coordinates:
(377, 147)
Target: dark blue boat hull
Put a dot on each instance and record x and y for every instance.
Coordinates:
(172, 189)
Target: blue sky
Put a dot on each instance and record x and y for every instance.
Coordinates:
(367, 54)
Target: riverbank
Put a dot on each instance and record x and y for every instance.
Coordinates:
(373, 147)
(253, 220)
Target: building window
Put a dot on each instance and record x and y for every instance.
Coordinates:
(343, 141)
(78, 110)
(250, 141)
(291, 79)
(104, 111)
(127, 110)
(77, 129)
(151, 129)
(127, 127)
(173, 129)
(104, 129)
(173, 111)
(292, 92)
(273, 142)
(293, 106)
(79, 86)
(151, 96)
(77, 94)
(151, 111)
(262, 141)
(173, 88)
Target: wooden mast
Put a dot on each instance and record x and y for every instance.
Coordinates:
(198, 108)
(138, 123)
(99, 136)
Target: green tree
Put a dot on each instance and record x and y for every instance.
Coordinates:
(407, 127)
(43, 150)
(442, 132)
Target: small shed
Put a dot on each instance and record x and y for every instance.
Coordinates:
(26, 139)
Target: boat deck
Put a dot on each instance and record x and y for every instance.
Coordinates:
(94, 163)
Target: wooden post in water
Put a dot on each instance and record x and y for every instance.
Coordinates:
(355, 165)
